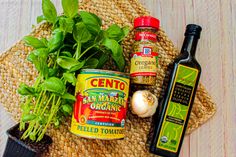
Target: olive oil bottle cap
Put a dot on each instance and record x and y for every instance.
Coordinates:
(193, 29)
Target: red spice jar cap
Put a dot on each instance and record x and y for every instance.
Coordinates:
(147, 21)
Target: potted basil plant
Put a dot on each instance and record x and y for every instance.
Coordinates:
(77, 41)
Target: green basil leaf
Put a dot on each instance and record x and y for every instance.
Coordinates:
(69, 63)
(67, 108)
(66, 25)
(52, 72)
(66, 53)
(32, 136)
(40, 19)
(42, 120)
(125, 30)
(49, 11)
(92, 22)
(68, 96)
(26, 108)
(99, 21)
(41, 53)
(32, 57)
(39, 63)
(44, 41)
(90, 18)
(114, 32)
(34, 42)
(116, 52)
(117, 33)
(56, 40)
(57, 123)
(77, 67)
(39, 58)
(28, 117)
(93, 29)
(66, 62)
(91, 63)
(70, 77)
(102, 60)
(26, 90)
(81, 33)
(44, 70)
(55, 85)
(70, 7)
(100, 37)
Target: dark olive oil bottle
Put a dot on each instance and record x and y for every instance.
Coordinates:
(179, 97)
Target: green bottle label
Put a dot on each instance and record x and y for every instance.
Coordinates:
(177, 109)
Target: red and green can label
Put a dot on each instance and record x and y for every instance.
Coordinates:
(100, 108)
(177, 108)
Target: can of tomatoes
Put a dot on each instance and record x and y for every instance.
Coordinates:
(101, 104)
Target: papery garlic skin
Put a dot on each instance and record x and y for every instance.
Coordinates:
(144, 103)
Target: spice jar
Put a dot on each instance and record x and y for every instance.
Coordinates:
(144, 58)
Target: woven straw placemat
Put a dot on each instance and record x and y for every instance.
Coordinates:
(15, 69)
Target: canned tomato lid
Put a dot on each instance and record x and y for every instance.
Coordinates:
(108, 72)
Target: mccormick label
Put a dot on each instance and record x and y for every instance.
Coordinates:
(100, 108)
(144, 60)
(178, 108)
(144, 63)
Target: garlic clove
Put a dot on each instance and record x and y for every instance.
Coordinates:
(144, 103)
(138, 104)
(151, 110)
